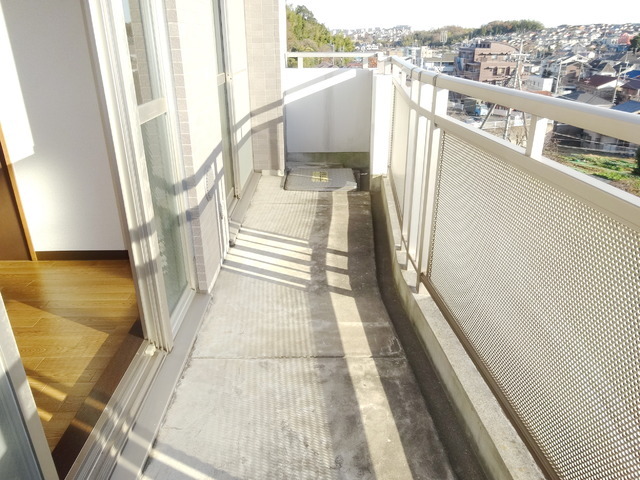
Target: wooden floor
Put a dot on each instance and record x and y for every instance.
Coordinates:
(69, 319)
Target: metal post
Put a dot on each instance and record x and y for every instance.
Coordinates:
(535, 138)
(439, 108)
(410, 167)
(415, 215)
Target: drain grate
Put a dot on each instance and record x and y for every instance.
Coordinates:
(319, 179)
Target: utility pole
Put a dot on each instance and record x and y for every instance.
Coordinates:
(615, 89)
(514, 81)
(518, 86)
(558, 76)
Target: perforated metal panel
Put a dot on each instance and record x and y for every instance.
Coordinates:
(546, 292)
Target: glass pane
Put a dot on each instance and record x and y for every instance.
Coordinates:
(166, 207)
(139, 34)
(17, 460)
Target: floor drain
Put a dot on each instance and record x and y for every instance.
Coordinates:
(321, 179)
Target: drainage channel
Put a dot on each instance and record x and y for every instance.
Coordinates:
(452, 434)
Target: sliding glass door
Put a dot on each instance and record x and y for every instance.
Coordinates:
(24, 452)
(17, 459)
(167, 210)
(161, 173)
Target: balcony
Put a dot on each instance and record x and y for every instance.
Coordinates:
(519, 276)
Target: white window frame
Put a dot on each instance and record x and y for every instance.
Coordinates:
(11, 368)
(125, 118)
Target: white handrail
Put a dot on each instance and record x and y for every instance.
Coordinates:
(300, 56)
(329, 54)
(608, 122)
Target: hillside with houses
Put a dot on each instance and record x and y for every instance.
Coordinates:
(598, 65)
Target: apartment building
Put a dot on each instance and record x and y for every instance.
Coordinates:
(487, 62)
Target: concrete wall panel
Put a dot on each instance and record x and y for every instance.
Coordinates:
(328, 110)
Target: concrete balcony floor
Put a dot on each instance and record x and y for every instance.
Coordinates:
(297, 372)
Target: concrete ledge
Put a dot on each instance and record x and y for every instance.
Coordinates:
(131, 460)
(273, 173)
(500, 449)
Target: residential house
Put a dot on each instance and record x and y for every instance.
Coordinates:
(568, 135)
(608, 144)
(537, 83)
(631, 90)
(445, 63)
(587, 98)
(487, 62)
(566, 70)
(601, 66)
(600, 85)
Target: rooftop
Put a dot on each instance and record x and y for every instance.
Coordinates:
(631, 106)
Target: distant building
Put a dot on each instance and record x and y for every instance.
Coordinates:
(587, 98)
(445, 63)
(418, 55)
(487, 62)
(597, 141)
(631, 90)
(536, 83)
(566, 70)
(600, 85)
(413, 55)
(395, 52)
(625, 39)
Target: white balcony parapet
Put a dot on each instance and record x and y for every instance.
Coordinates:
(535, 266)
(300, 56)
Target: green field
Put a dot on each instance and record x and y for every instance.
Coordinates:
(616, 171)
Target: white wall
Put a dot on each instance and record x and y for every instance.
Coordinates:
(327, 110)
(193, 45)
(382, 113)
(59, 153)
(535, 82)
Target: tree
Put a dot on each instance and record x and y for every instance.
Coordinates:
(305, 13)
(306, 34)
(636, 170)
(499, 27)
(450, 34)
(635, 43)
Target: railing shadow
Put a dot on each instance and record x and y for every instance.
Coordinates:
(311, 363)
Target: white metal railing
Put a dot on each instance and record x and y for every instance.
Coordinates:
(536, 266)
(425, 95)
(300, 56)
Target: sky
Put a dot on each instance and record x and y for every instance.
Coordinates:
(425, 14)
